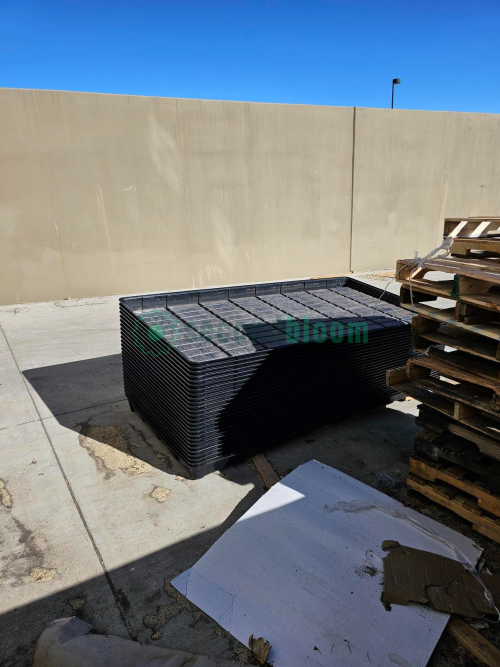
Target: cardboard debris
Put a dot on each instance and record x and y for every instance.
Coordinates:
(413, 575)
(303, 569)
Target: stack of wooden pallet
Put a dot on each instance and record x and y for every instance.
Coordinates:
(456, 458)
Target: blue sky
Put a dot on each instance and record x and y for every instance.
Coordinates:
(334, 52)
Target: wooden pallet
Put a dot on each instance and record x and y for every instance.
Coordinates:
(427, 331)
(459, 477)
(476, 299)
(458, 501)
(476, 308)
(446, 447)
(470, 383)
(465, 366)
(462, 320)
(444, 398)
(480, 269)
(476, 248)
(474, 292)
(471, 391)
(439, 423)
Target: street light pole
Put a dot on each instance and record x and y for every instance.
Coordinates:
(394, 82)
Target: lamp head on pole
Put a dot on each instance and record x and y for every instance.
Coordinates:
(396, 81)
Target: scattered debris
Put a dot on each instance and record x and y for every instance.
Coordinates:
(385, 481)
(414, 575)
(260, 648)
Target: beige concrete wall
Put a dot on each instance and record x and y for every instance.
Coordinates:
(413, 169)
(111, 194)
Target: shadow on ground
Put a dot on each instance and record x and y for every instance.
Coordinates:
(131, 602)
(135, 600)
(74, 393)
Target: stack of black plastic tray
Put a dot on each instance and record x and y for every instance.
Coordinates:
(220, 374)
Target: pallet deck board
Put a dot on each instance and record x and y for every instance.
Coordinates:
(486, 439)
(445, 446)
(459, 503)
(447, 316)
(459, 477)
(454, 337)
(477, 427)
(472, 226)
(475, 643)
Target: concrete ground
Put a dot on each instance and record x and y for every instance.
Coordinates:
(96, 516)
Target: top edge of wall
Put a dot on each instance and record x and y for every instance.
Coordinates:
(204, 99)
(165, 97)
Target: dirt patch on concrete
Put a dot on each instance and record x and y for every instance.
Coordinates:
(240, 652)
(23, 557)
(5, 497)
(76, 603)
(160, 494)
(379, 275)
(110, 449)
(163, 615)
(39, 575)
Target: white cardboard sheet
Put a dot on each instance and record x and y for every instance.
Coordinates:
(297, 570)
